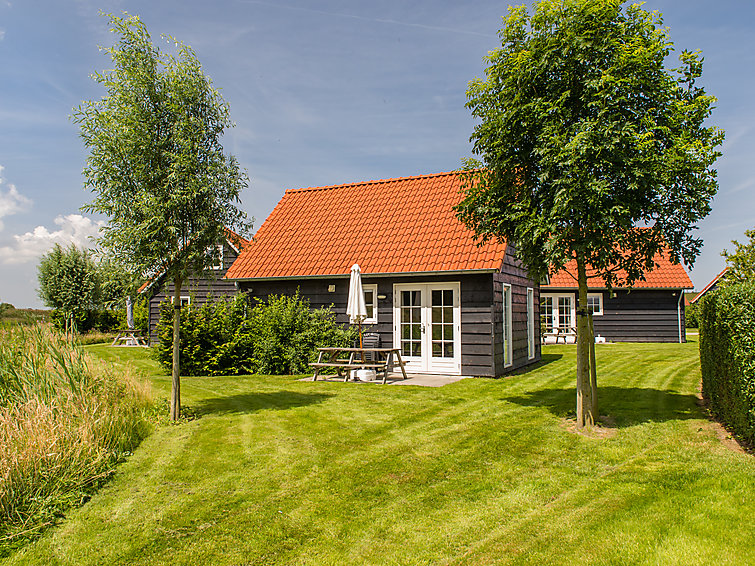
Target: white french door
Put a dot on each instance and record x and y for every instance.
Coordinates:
(427, 326)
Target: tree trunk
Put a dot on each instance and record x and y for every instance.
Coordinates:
(585, 416)
(175, 394)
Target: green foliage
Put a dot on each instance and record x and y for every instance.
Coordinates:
(116, 283)
(228, 337)
(692, 316)
(741, 263)
(155, 159)
(727, 356)
(584, 135)
(66, 420)
(68, 283)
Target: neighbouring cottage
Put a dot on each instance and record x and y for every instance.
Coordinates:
(197, 288)
(651, 311)
(710, 287)
(453, 307)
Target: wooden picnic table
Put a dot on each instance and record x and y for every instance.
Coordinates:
(129, 338)
(380, 359)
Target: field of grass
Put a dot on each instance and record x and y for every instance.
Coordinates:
(280, 471)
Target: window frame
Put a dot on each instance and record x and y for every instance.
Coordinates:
(507, 330)
(374, 288)
(599, 296)
(219, 266)
(530, 323)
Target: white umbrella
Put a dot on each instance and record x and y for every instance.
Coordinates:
(356, 308)
(129, 314)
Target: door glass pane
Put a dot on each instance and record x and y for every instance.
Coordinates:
(546, 313)
(410, 325)
(442, 323)
(564, 312)
(448, 349)
(448, 332)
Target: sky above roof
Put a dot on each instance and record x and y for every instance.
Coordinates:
(322, 93)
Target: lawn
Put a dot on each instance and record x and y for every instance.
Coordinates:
(280, 471)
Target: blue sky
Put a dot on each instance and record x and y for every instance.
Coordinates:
(322, 93)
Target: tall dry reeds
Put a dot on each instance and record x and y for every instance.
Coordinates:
(66, 419)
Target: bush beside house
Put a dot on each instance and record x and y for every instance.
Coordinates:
(727, 356)
(226, 336)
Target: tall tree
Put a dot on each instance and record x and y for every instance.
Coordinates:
(157, 166)
(589, 148)
(741, 262)
(68, 282)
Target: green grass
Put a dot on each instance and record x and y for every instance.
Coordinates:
(279, 471)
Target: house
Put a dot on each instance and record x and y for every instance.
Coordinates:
(453, 307)
(197, 289)
(651, 311)
(712, 286)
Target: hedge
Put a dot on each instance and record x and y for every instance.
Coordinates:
(226, 336)
(727, 356)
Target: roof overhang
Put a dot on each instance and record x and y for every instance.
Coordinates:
(364, 275)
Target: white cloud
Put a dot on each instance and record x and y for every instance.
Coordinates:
(11, 201)
(2, 34)
(74, 229)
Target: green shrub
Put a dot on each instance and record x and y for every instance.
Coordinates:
(727, 356)
(228, 337)
(66, 420)
(691, 316)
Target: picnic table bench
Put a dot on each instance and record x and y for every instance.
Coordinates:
(379, 359)
(558, 333)
(129, 338)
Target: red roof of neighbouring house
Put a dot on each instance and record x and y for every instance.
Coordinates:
(404, 225)
(709, 285)
(666, 275)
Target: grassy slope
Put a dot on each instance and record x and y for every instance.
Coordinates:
(279, 471)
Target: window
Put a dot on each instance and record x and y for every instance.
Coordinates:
(370, 301)
(595, 303)
(530, 323)
(185, 301)
(508, 357)
(219, 263)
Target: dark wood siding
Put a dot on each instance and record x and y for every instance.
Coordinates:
(198, 288)
(513, 273)
(640, 315)
(475, 300)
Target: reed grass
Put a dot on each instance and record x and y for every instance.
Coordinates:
(66, 420)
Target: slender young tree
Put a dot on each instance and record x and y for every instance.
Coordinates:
(156, 164)
(589, 149)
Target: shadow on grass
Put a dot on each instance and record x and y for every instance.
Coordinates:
(253, 402)
(545, 359)
(627, 406)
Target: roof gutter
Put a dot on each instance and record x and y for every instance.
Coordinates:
(364, 275)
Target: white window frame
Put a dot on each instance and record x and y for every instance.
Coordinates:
(185, 300)
(371, 287)
(531, 323)
(219, 266)
(599, 296)
(507, 334)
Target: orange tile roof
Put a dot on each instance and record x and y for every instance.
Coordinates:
(404, 225)
(666, 275)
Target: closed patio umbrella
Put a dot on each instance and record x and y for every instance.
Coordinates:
(356, 309)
